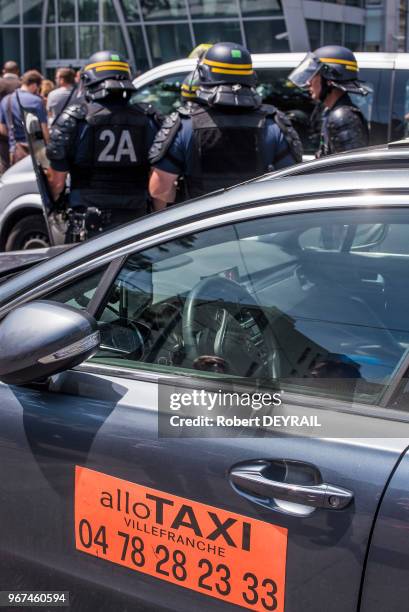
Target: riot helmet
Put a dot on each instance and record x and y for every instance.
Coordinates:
(106, 73)
(227, 78)
(336, 65)
(190, 86)
(227, 64)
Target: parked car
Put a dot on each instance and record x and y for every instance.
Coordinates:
(21, 222)
(277, 281)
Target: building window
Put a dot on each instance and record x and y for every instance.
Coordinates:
(108, 11)
(169, 42)
(112, 39)
(9, 12)
(88, 10)
(139, 50)
(171, 9)
(67, 42)
(32, 46)
(32, 11)
(353, 35)
(50, 43)
(314, 33)
(9, 45)
(260, 8)
(89, 39)
(66, 10)
(266, 36)
(332, 33)
(200, 9)
(217, 31)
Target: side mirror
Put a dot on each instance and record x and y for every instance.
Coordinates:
(43, 338)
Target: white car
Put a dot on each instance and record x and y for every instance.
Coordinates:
(386, 108)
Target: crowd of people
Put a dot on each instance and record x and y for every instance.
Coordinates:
(45, 98)
(125, 160)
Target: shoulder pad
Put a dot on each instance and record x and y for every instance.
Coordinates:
(347, 128)
(290, 134)
(185, 111)
(149, 110)
(344, 114)
(78, 111)
(164, 138)
(63, 131)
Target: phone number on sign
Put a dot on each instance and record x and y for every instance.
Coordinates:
(212, 577)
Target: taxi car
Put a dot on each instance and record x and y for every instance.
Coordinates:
(301, 282)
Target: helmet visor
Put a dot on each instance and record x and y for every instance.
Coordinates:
(302, 75)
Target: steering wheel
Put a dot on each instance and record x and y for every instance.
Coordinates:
(212, 310)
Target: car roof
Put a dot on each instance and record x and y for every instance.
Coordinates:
(274, 60)
(287, 189)
(375, 157)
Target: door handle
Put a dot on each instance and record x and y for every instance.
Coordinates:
(252, 480)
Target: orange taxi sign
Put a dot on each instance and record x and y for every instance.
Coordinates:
(218, 553)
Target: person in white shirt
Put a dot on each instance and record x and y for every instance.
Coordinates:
(58, 98)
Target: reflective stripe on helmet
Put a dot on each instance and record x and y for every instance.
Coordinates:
(224, 65)
(115, 68)
(225, 71)
(112, 65)
(333, 60)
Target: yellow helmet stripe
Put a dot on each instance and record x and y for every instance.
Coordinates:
(106, 63)
(223, 65)
(353, 68)
(225, 71)
(185, 94)
(104, 68)
(333, 60)
(189, 87)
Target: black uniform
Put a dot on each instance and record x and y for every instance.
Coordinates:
(343, 128)
(104, 146)
(217, 147)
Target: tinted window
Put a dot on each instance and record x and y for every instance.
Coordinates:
(376, 106)
(163, 94)
(400, 112)
(306, 298)
(78, 293)
(276, 89)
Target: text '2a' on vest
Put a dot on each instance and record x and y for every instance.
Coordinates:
(115, 160)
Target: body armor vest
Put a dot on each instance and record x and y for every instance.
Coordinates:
(113, 157)
(227, 148)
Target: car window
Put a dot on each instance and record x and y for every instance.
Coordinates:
(78, 293)
(263, 300)
(276, 89)
(163, 94)
(400, 109)
(376, 105)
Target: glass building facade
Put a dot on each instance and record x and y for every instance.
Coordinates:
(44, 34)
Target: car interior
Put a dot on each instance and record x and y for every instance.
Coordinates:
(297, 298)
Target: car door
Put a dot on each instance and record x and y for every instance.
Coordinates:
(104, 498)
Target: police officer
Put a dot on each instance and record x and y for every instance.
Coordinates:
(226, 137)
(331, 73)
(189, 89)
(103, 143)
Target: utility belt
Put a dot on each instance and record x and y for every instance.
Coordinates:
(85, 222)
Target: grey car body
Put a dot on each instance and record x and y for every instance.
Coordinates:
(327, 257)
